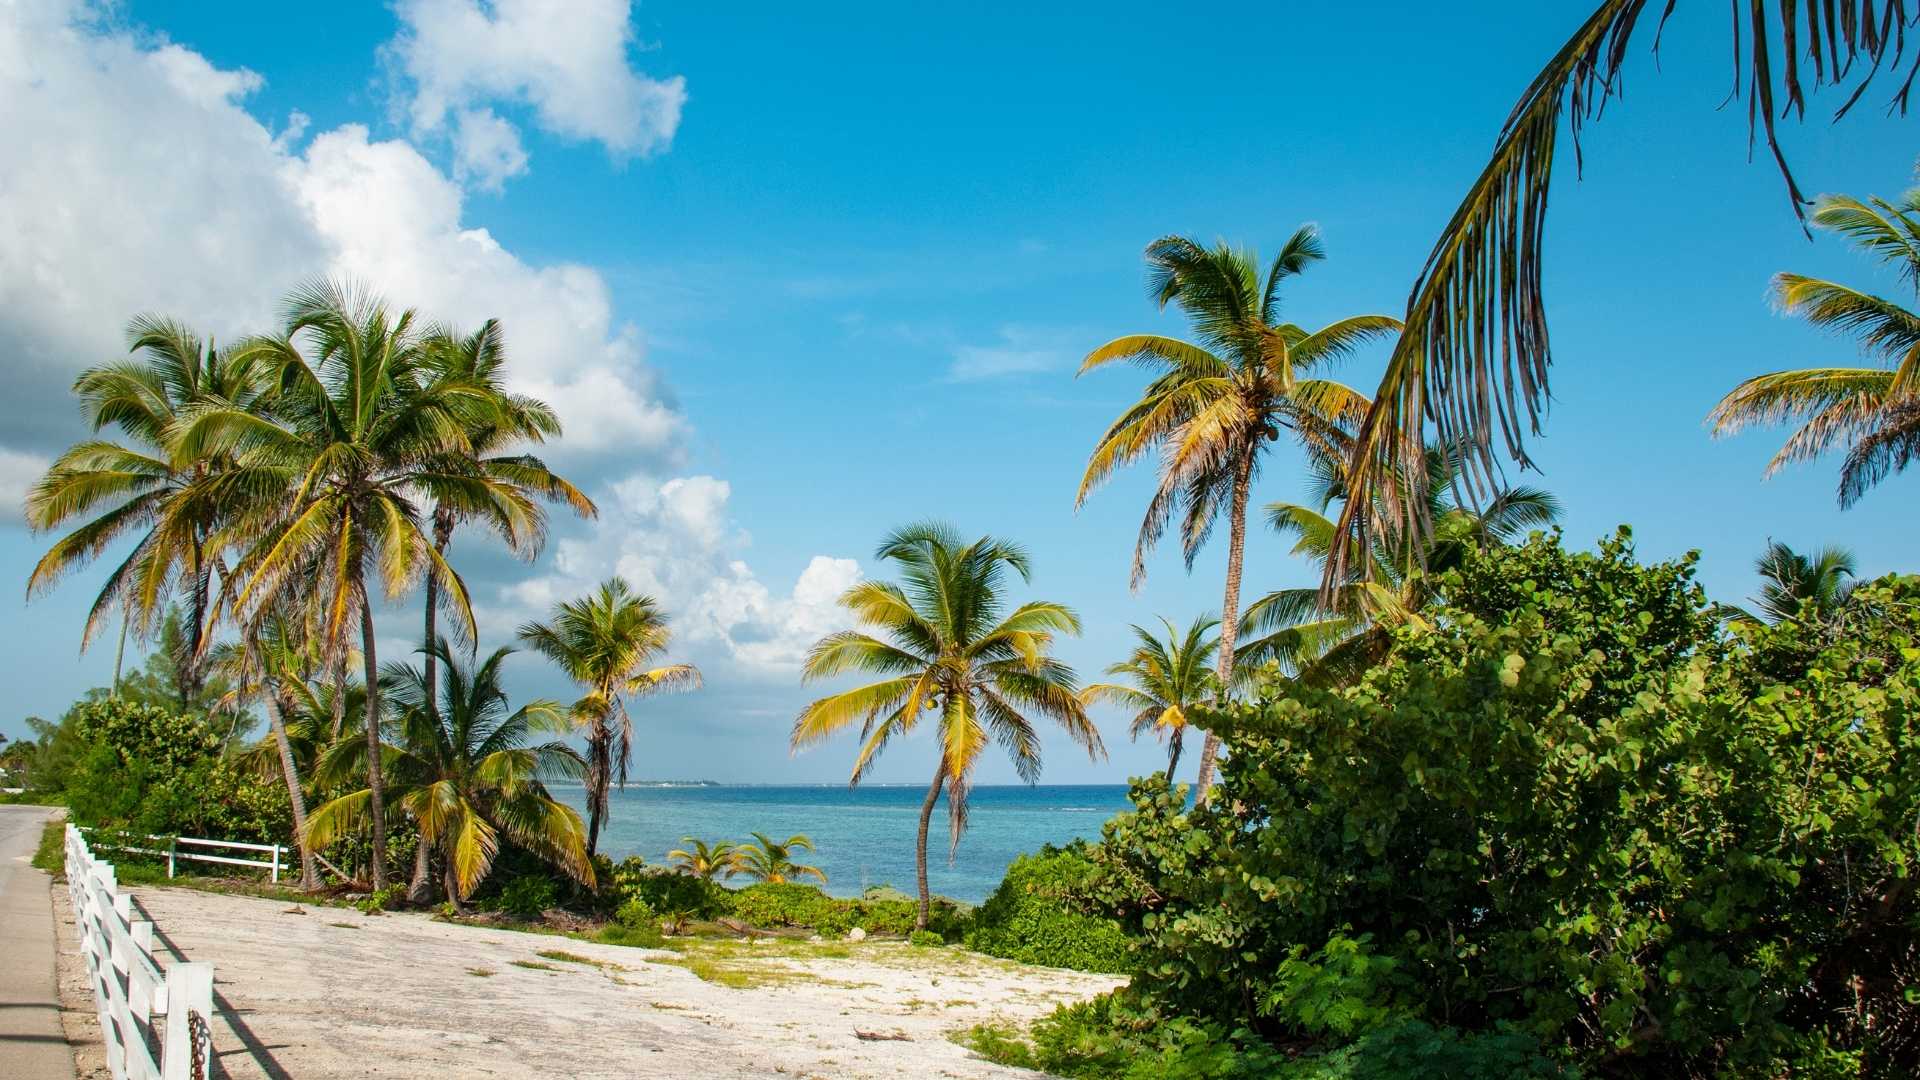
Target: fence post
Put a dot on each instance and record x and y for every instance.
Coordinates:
(189, 996)
(275, 878)
(173, 844)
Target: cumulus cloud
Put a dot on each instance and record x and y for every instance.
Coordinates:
(569, 62)
(675, 541)
(486, 149)
(18, 471)
(1020, 351)
(136, 180)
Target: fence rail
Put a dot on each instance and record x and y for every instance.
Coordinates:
(143, 1011)
(172, 851)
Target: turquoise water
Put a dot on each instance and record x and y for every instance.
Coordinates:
(863, 836)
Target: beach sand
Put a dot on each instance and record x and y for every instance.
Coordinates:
(318, 992)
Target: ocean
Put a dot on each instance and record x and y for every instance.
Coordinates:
(862, 836)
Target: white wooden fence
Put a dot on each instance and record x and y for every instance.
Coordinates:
(142, 1010)
(271, 864)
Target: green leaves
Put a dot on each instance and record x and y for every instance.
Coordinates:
(1564, 804)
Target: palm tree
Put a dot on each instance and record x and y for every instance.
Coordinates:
(607, 642)
(1873, 412)
(1216, 405)
(1793, 586)
(328, 488)
(951, 648)
(716, 862)
(469, 771)
(142, 489)
(1475, 354)
(1166, 677)
(272, 666)
(772, 862)
(497, 420)
(1332, 637)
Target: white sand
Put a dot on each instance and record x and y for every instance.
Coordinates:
(394, 996)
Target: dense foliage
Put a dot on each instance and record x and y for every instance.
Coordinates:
(148, 770)
(1039, 915)
(772, 905)
(1566, 807)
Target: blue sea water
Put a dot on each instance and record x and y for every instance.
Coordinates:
(862, 836)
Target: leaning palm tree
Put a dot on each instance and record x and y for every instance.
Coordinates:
(1166, 678)
(498, 422)
(708, 862)
(609, 642)
(771, 861)
(1216, 406)
(1475, 354)
(272, 665)
(140, 489)
(948, 647)
(1873, 413)
(469, 770)
(1326, 636)
(325, 493)
(1793, 585)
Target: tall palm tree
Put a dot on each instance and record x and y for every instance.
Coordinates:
(468, 769)
(1216, 405)
(1475, 354)
(497, 421)
(949, 647)
(1332, 637)
(1166, 678)
(1871, 412)
(609, 642)
(328, 487)
(771, 861)
(142, 489)
(708, 862)
(1793, 585)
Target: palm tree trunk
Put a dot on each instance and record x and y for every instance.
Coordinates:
(1173, 754)
(442, 536)
(417, 888)
(120, 652)
(290, 772)
(377, 800)
(1229, 611)
(187, 666)
(920, 846)
(598, 769)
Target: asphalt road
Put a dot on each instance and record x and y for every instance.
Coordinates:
(31, 1044)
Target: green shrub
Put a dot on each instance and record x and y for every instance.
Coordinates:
(1566, 805)
(1114, 1038)
(1039, 915)
(149, 771)
(667, 890)
(527, 896)
(376, 901)
(926, 939)
(636, 913)
(645, 936)
(769, 905)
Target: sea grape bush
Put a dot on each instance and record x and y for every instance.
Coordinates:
(149, 770)
(1039, 915)
(1567, 808)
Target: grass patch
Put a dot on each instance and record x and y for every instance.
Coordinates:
(30, 798)
(480, 973)
(345, 925)
(51, 855)
(533, 965)
(574, 958)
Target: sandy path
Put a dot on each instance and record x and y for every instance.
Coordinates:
(333, 993)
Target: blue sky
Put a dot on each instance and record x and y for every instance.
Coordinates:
(846, 286)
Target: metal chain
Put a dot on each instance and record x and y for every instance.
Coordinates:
(200, 1039)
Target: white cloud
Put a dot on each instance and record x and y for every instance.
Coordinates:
(1020, 351)
(486, 149)
(676, 542)
(568, 61)
(18, 472)
(137, 181)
